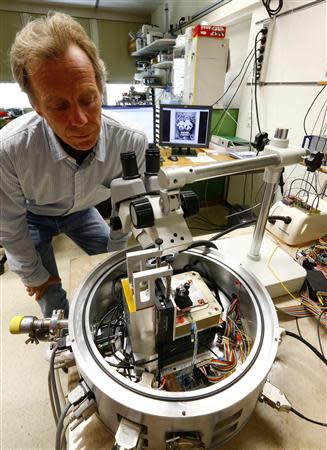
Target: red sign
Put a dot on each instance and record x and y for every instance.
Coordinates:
(214, 31)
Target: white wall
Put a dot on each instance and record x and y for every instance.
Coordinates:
(297, 55)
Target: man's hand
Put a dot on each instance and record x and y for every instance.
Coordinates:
(39, 290)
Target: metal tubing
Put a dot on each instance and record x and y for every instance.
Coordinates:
(177, 177)
(261, 222)
(232, 167)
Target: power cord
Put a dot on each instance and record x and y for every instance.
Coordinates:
(285, 219)
(309, 109)
(272, 12)
(53, 391)
(60, 426)
(322, 424)
(310, 346)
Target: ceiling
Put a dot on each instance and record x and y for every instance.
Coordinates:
(123, 6)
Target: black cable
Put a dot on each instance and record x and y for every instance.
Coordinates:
(322, 424)
(304, 190)
(298, 327)
(272, 12)
(310, 346)
(202, 243)
(53, 381)
(305, 117)
(53, 408)
(230, 102)
(146, 362)
(60, 425)
(210, 350)
(235, 227)
(285, 219)
(235, 78)
(206, 220)
(203, 229)
(318, 332)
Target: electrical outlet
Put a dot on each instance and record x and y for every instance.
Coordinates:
(263, 49)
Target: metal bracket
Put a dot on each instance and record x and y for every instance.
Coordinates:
(169, 201)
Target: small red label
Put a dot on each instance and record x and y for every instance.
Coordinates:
(214, 31)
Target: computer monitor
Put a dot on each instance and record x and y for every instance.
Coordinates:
(140, 117)
(184, 126)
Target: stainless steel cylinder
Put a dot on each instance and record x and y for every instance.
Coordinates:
(216, 413)
(260, 226)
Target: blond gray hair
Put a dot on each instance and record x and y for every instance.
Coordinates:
(48, 38)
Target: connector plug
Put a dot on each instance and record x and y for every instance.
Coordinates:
(274, 398)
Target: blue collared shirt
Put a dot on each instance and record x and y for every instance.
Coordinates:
(36, 174)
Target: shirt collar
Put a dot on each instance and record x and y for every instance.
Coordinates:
(58, 152)
(100, 149)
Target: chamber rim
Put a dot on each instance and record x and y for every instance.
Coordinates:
(102, 271)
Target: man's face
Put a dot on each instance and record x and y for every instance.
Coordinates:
(67, 96)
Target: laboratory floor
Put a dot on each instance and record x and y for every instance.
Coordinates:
(26, 418)
(25, 413)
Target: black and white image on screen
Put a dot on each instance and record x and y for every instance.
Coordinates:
(185, 126)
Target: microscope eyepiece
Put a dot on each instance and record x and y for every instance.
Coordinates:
(129, 165)
(152, 161)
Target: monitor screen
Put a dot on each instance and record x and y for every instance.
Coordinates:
(140, 117)
(184, 125)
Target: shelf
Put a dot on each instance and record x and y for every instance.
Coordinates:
(158, 86)
(163, 65)
(154, 47)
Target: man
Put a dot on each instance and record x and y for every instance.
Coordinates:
(58, 162)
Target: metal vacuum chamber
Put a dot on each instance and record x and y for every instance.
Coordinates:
(201, 418)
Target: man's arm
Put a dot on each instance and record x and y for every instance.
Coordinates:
(23, 259)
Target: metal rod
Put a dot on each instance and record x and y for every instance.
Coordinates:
(233, 167)
(177, 177)
(285, 83)
(261, 222)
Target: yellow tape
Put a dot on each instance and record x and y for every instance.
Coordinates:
(128, 294)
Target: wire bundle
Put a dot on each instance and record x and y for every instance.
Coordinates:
(294, 196)
(234, 343)
(217, 369)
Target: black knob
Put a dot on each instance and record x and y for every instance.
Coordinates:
(129, 165)
(190, 203)
(141, 213)
(182, 298)
(187, 286)
(170, 259)
(158, 242)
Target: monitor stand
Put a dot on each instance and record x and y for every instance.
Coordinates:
(183, 151)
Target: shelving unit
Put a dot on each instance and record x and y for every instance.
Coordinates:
(163, 65)
(151, 50)
(154, 47)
